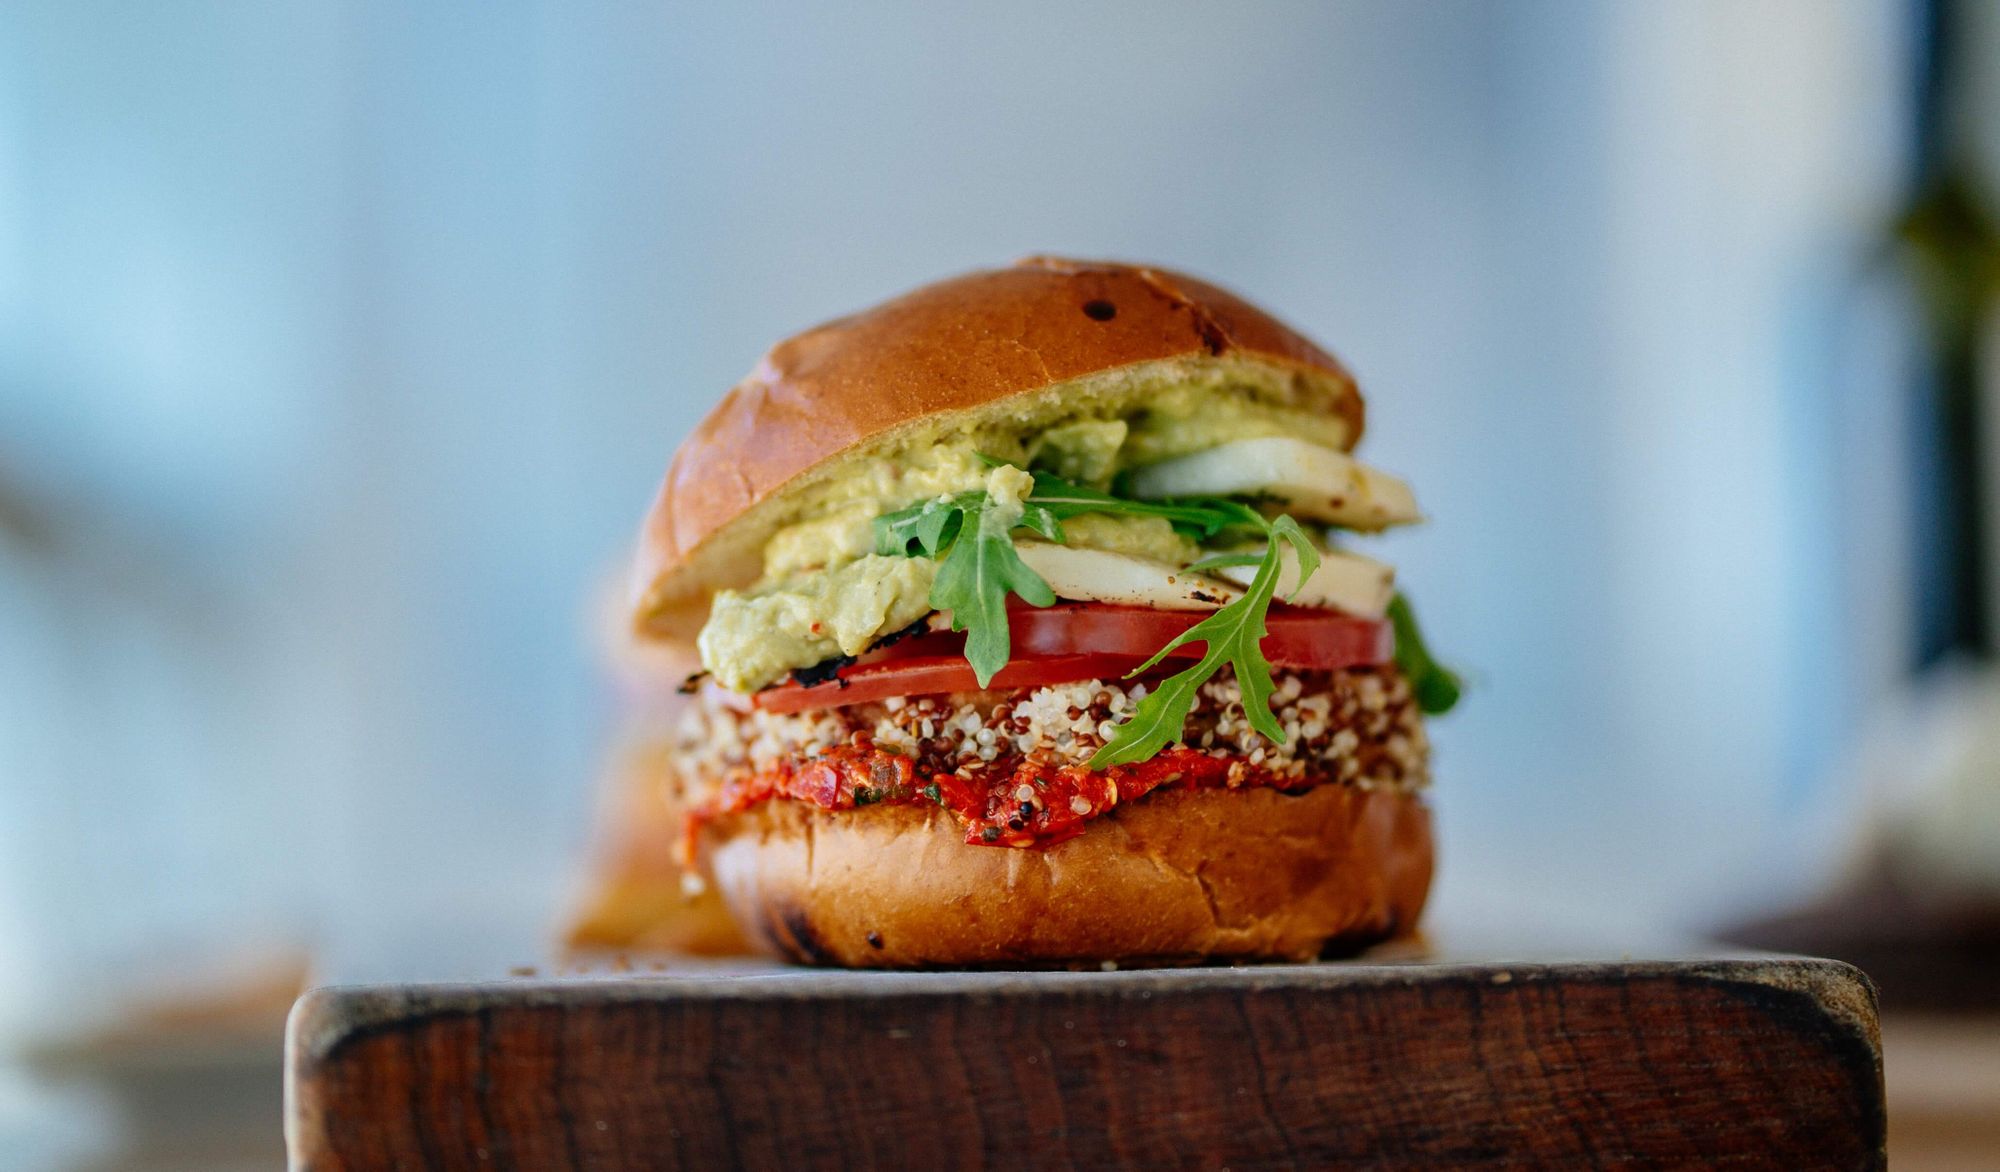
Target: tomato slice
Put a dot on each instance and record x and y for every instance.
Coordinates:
(921, 675)
(1082, 641)
(1321, 640)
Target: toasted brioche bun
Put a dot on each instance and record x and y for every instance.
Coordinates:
(1031, 341)
(1178, 877)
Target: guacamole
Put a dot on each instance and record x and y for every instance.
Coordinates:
(754, 638)
(824, 592)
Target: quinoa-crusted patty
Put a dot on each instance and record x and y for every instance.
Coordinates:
(1357, 726)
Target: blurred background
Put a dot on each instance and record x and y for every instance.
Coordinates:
(343, 341)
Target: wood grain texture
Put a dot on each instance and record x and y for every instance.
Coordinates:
(1752, 1063)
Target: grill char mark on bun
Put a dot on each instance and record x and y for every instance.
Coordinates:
(793, 935)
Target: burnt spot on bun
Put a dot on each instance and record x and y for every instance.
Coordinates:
(1099, 310)
(791, 931)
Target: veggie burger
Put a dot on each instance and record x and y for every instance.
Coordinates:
(1029, 636)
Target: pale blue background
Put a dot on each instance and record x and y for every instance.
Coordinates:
(341, 345)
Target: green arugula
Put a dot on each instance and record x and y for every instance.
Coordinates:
(1436, 687)
(1224, 561)
(1232, 635)
(972, 539)
(1199, 518)
(976, 573)
(930, 527)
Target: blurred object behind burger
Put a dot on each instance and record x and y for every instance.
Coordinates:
(637, 897)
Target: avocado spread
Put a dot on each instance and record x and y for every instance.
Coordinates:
(755, 637)
(824, 592)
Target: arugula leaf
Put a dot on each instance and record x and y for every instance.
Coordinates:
(1232, 635)
(973, 582)
(931, 526)
(972, 539)
(1204, 516)
(1041, 519)
(1436, 687)
(1302, 548)
(1222, 561)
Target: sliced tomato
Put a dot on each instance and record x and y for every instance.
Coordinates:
(921, 675)
(1081, 641)
(1321, 640)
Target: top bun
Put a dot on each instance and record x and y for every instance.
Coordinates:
(1036, 339)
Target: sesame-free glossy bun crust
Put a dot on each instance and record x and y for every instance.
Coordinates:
(1179, 877)
(954, 346)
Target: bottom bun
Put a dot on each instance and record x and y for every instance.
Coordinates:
(1178, 878)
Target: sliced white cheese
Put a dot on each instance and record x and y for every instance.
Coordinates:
(1095, 575)
(1312, 481)
(1346, 582)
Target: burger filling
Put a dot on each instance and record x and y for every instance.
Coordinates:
(1008, 764)
(1028, 627)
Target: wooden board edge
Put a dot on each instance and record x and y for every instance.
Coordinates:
(325, 1018)
(1827, 999)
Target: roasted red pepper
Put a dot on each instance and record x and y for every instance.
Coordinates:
(1010, 802)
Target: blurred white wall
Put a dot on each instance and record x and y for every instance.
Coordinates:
(341, 345)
